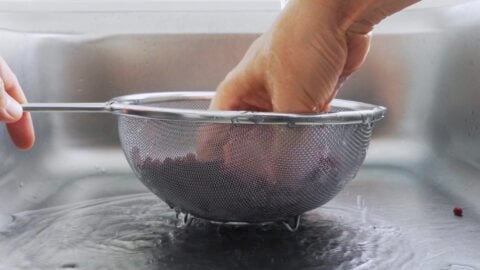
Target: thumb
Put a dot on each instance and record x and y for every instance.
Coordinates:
(358, 48)
(10, 110)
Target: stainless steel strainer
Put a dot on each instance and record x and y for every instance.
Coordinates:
(230, 166)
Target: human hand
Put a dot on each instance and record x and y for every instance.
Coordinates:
(295, 67)
(19, 124)
(301, 62)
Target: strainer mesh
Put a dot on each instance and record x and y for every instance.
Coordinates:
(242, 173)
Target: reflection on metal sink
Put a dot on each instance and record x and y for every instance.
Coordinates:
(72, 202)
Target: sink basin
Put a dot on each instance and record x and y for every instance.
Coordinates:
(73, 202)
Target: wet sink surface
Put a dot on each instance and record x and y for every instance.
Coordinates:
(385, 219)
(73, 203)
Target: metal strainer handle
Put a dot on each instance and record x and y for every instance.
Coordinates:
(159, 106)
(67, 107)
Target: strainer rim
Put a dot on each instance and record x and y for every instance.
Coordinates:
(136, 105)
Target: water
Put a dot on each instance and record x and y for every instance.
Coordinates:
(139, 232)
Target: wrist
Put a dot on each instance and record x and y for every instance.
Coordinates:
(343, 12)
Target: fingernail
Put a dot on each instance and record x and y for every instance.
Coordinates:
(13, 108)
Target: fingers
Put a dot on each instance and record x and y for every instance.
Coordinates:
(244, 87)
(211, 140)
(228, 94)
(235, 95)
(11, 85)
(22, 133)
(19, 124)
(10, 110)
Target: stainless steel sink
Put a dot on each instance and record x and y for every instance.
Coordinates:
(72, 202)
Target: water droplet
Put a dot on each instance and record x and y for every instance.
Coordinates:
(360, 202)
(365, 215)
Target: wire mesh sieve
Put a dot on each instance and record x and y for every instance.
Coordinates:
(237, 166)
